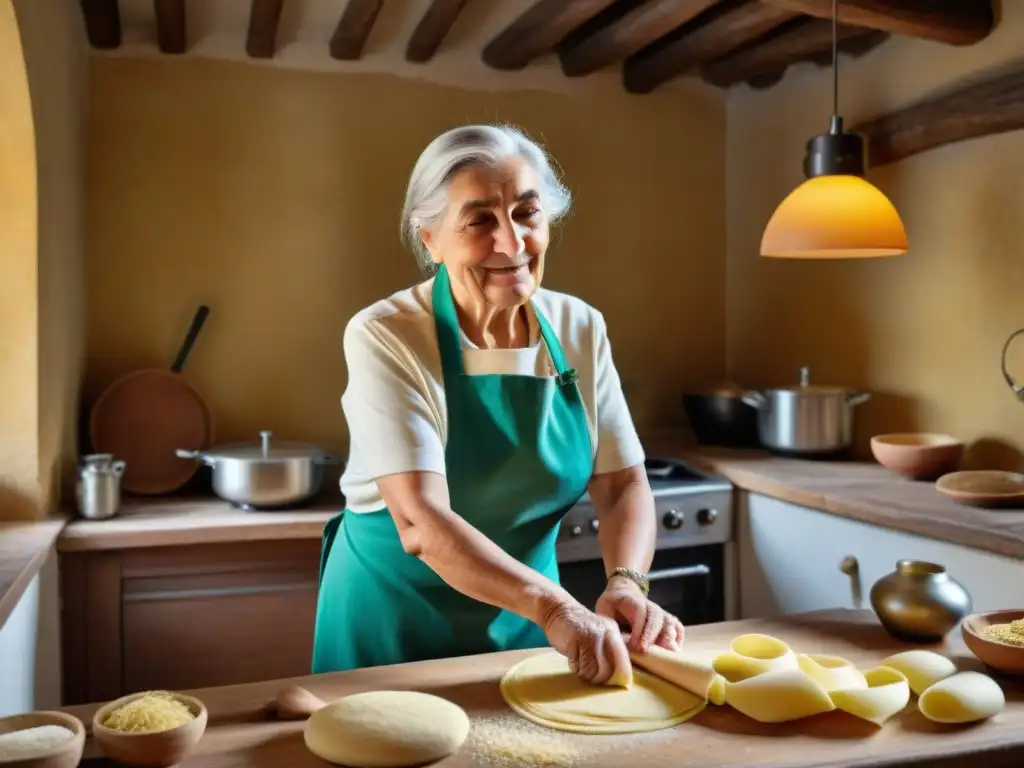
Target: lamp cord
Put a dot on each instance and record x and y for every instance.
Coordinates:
(835, 58)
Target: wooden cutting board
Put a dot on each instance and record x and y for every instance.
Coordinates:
(719, 737)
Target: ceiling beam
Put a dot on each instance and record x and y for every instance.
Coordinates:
(625, 36)
(102, 23)
(432, 29)
(956, 22)
(730, 30)
(982, 107)
(261, 39)
(538, 30)
(171, 32)
(353, 28)
(795, 43)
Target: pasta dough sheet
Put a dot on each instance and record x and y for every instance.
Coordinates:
(544, 690)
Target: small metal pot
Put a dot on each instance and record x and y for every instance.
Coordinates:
(806, 420)
(259, 476)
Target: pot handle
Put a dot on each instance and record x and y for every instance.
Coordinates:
(857, 398)
(754, 399)
(327, 459)
(197, 455)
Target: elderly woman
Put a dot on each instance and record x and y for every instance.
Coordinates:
(481, 407)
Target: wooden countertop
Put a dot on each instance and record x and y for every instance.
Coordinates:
(176, 521)
(719, 737)
(868, 492)
(23, 550)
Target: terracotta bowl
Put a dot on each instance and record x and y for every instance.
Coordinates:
(998, 655)
(918, 455)
(992, 488)
(156, 749)
(65, 755)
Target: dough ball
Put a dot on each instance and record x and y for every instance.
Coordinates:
(383, 729)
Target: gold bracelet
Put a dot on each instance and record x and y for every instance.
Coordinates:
(633, 575)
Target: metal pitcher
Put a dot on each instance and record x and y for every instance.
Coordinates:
(99, 486)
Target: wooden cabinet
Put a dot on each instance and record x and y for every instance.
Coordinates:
(186, 616)
(790, 556)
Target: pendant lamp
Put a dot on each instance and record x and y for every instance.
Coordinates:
(836, 213)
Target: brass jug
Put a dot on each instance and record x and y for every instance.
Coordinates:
(919, 601)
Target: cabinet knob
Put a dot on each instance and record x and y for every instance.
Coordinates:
(851, 568)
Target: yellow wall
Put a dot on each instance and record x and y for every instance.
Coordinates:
(55, 60)
(274, 196)
(19, 456)
(923, 332)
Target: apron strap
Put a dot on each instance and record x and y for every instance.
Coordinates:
(446, 321)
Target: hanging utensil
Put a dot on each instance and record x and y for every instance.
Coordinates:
(147, 415)
(1018, 389)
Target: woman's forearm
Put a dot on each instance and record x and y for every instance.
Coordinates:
(474, 565)
(628, 521)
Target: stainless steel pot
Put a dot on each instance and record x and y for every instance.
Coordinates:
(261, 476)
(805, 419)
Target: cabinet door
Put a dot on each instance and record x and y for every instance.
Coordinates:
(790, 559)
(240, 619)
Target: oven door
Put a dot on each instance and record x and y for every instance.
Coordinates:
(688, 582)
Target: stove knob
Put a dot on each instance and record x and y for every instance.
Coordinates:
(707, 516)
(595, 525)
(673, 519)
(575, 531)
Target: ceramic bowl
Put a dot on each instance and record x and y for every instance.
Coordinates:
(992, 488)
(65, 755)
(156, 749)
(1001, 656)
(918, 455)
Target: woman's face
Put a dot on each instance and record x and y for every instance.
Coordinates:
(493, 235)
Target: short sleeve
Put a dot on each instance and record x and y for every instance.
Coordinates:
(392, 427)
(618, 445)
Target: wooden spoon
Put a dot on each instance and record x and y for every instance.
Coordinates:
(295, 703)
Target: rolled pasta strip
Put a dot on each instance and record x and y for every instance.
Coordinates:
(921, 668)
(687, 673)
(887, 693)
(778, 696)
(716, 693)
(962, 698)
(753, 654)
(831, 672)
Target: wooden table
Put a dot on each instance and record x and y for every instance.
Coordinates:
(719, 737)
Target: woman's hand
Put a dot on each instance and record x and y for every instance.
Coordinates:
(649, 624)
(593, 644)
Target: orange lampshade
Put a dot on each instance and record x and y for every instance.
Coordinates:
(834, 217)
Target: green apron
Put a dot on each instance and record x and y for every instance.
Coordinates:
(517, 458)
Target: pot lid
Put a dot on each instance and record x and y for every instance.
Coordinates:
(806, 388)
(266, 450)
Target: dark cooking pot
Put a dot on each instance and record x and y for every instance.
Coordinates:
(720, 417)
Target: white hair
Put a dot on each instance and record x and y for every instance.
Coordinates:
(426, 196)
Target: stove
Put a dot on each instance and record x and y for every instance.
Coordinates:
(691, 572)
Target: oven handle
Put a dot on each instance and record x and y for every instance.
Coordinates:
(677, 573)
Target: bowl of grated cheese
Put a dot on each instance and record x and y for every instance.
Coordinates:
(41, 740)
(151, 729)
(997, 638)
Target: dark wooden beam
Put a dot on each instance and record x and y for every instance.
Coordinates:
(431, 31)
(102, 23)
(853, 48)
(627, 35)
(737, 25)
(538, 30)
(957, 22)
(171, 33)
(794, 43)
(984, 107)
(353, 28)
(264, 17)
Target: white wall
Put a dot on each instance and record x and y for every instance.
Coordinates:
(30, 647)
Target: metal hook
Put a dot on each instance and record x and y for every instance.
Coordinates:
(1018, 389)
